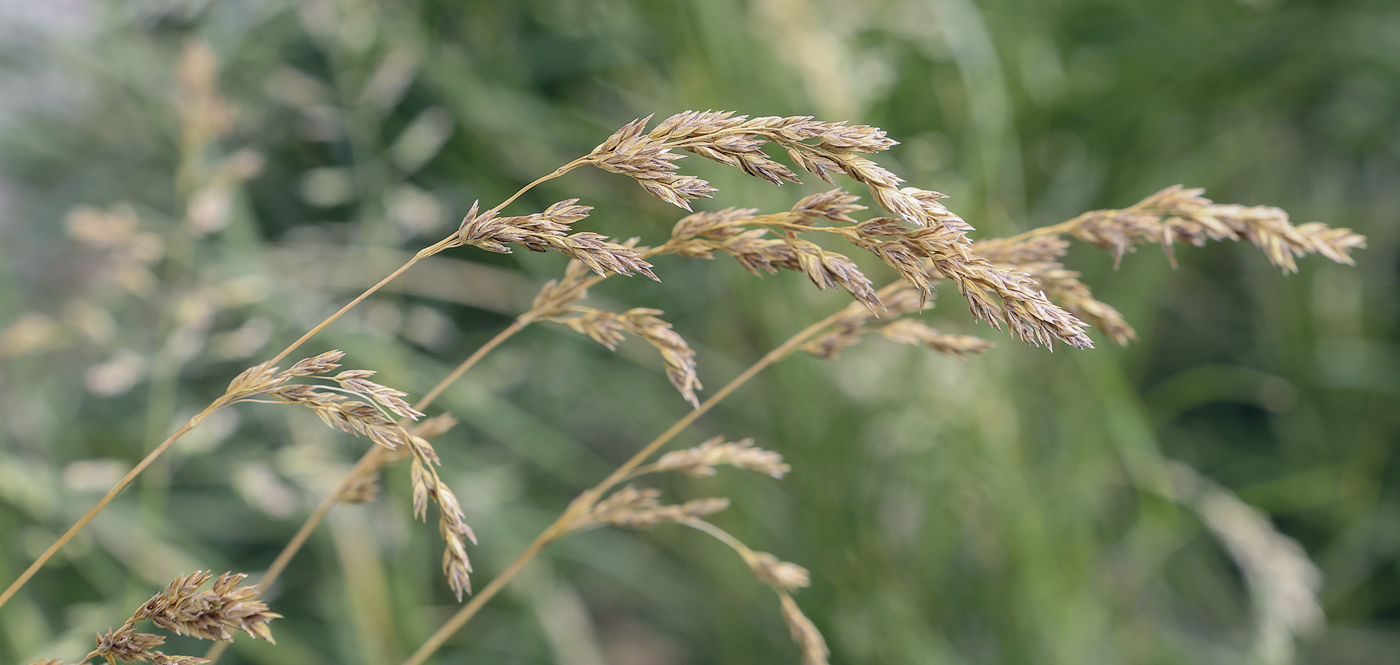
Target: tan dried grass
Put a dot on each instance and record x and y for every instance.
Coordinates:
(185, 610)
(1008, 282)
(1173, 215)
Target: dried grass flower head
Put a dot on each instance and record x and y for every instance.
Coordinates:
(702, 459)
(208, 615)
(1179, 214)
(370, 413)
(1172, 215)
(549, 230)
(822, 148)
(185, 610)
(633, 508)
(1018, 282)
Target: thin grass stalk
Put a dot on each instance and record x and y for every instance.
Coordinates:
(435, 248)
(719, 534)
(279, 564)
(516, 326)
(1053, 229)
(220, 402)
(184, 429)
(542, 179)
(585, 501)
(106, 499)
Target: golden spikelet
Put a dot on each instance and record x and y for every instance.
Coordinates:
(702, 459)
(185, 610)
(633, 508)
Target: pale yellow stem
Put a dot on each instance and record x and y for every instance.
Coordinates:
(274, 570)
(107, 498)
(585, 501)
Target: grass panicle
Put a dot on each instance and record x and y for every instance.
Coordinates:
(1018, 282)
(607, 328)
(702, 459)
(372, 415)
(1172, 215)
(633, 508)
(185, 610)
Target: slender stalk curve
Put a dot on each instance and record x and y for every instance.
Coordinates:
(192, 423)
(165, 445)
(778, 353)
(422, 254)
(720, 535)
(106, 499)
(516, 326)
(1053, 229)
(545, 178)
(480, 598)
(585, 501)
(274, 570)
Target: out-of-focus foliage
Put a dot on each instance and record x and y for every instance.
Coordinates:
(188, 185)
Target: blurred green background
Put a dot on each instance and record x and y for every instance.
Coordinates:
(188, 185)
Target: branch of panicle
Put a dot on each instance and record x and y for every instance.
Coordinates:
(1172, 215)
(370, 416)
(185, 610)
(823, 148)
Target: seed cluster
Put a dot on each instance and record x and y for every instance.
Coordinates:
(634, 508)
(370, 415)
(549, 230)
(1172, 215)
(1019, 282)
(185, 610)
(702, 459)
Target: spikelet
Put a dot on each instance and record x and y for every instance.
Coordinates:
(702, 459)
(550, 231)
(607, 328)
(1172, 215)
(633, 508)
(1177, 214)
(185, 610)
